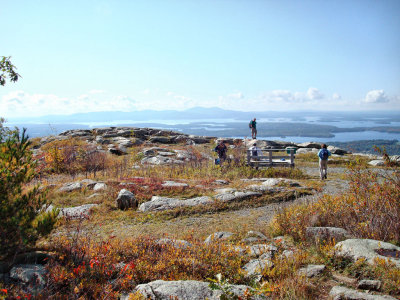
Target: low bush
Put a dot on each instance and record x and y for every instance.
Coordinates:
(90, 268)
(73, 156)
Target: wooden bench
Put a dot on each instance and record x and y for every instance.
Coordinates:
(267, 159)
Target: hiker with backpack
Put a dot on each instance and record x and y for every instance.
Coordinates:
(323, 155)
(253, 127)
(221, 150)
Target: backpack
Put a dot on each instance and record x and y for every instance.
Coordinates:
(324, 154)
(250, 124)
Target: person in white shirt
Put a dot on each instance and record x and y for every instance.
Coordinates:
(255, 151)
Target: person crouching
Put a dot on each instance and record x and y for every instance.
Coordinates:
(221, 150)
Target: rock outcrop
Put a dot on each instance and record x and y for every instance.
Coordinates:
(341, 292)
(185, 289)
(163, 203)
(369, 250)
(126, 200)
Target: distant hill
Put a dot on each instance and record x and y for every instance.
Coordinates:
(392, 146)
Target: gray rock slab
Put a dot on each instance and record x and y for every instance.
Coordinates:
(29, 273)
(336, 150)
(322, 234)
(125, 200)
(366, 248)
(263, 188)
(221, 182)
(160, 160)
(312, 270)
(71, 186)
(255, 267)
(260, 249)
(200, 139)
(163, 203)
(183, 155)
(344, 293)
(304, 150)
(309, 145)
(99, 186)
(218, 236)
(161, 139)
(185, 290)
(77, 212)
(88, 183)
(164, 153)
(271, 182)
(169, 183)
(377, 163)
(225, 191)
(366, 284)
(227, 197)
(179, 244)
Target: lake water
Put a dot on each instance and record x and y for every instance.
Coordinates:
(208, 126)
(339, 137)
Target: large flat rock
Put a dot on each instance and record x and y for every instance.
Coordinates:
(369, 250)
(163, 203)
(185, 290)
(235, 196)
(77, 212)
(344, 293)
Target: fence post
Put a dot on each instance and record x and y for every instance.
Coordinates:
(270, 156)
(291, 157)
(248, 157)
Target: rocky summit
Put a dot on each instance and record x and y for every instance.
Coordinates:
(143, 213)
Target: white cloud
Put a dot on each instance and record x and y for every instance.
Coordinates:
(376, 96)
(146, 92)
(96, 92)
(336, 96)
(22, 104)
(281, 96)
(314, 94)
(237, 95)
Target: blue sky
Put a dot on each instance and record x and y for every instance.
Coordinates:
(79, 56)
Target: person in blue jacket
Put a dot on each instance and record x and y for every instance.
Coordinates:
(323, 155)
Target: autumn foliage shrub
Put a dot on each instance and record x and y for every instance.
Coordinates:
(92, 269)
(74, 156)
(369, 209)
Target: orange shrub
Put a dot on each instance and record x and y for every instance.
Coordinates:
(73, 156)
(370, 209)
(90, 269)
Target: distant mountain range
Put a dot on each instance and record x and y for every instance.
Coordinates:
(205, 113)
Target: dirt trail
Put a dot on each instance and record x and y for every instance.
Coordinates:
(259, 217)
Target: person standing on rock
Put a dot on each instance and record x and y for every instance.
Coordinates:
(253, 127)
(221, 150)
(323, 155)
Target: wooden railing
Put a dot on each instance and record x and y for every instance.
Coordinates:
(267, 159)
